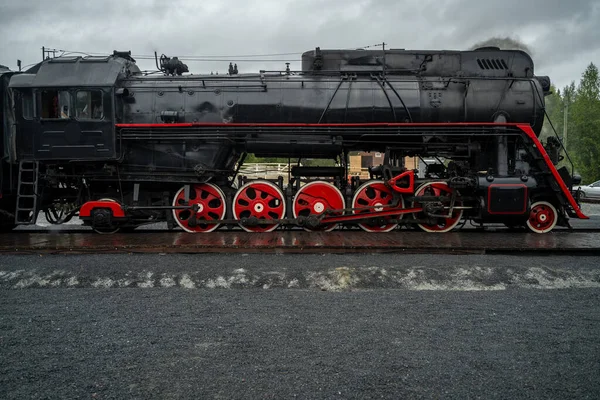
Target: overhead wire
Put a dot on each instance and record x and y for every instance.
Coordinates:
(237, 58)
(222, 57)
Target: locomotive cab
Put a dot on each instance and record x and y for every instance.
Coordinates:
(65, 109)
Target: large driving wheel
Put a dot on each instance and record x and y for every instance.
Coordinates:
(258, 200)
(375, 196)
(442, 223)
(314, 199)
(209, 200)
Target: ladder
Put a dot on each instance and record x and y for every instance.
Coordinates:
(27, 196)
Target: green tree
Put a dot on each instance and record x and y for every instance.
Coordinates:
(566, 121)
(583, 134)
(554, 115)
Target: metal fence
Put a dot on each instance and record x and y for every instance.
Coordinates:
(264, 170)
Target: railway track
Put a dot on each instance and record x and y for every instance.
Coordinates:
(467, 228)
(468, 241)
(590, 201)
(467, 231)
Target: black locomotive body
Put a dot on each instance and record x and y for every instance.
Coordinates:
(97, 138)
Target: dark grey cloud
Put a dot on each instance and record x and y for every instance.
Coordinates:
(562, 35)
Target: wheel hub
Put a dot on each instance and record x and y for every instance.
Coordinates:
(259, 207)
(101, 218)
(319, 207)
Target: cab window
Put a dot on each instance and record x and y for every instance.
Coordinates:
(88, 104)
(55, 104)
(27, 104)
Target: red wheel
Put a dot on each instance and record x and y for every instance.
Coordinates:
(542, 217)
(211, 206)
(259, 199)
(315, 198)
(443, 224)
(376, 195)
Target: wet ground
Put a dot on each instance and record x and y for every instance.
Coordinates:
(355, 326)
(468, 242)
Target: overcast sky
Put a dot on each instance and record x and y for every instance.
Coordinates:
(564, 35)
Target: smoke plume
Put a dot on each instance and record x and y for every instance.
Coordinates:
(506, 43)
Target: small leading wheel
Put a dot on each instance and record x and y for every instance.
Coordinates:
(442, 223)
(542, 217)
(375, 196)
(259, 200)
(314, 199)
(210, 202)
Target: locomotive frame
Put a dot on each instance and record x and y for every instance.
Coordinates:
(95, 138)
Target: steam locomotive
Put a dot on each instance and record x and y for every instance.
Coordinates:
(98, 139)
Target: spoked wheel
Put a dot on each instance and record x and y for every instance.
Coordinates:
(106, 230)
(375, 196)
(542, 217)
(259, 200)
(314, 198)
(60, 213)
(210, 201)
(54, 215)
(443, 223)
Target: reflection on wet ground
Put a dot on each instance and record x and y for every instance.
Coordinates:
(299, 241)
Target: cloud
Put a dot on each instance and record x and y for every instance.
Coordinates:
(561, 36)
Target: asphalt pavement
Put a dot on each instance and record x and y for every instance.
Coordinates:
(436, 331)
